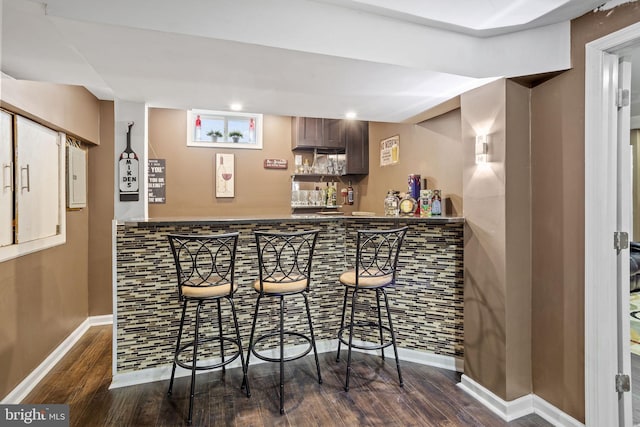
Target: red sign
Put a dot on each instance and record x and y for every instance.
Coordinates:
(276, 163)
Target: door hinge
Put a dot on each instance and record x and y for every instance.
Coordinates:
(620, 240)
(623, 98)
(623, 383)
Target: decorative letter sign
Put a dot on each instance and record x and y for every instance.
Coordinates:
(128, 172)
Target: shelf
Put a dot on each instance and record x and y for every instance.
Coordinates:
(315, 175)
(315, 207)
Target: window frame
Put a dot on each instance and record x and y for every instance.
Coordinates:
(191, 129)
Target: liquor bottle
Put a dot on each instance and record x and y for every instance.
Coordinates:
(198, 128)
(391, 204)
(128, 172)
(332, 197)
(350, 195)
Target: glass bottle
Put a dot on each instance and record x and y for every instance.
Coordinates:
(350, 194)
(332, 197)
(391, 204)
(408, 205)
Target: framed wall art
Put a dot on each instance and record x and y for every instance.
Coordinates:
(225, 175)
(390, 150)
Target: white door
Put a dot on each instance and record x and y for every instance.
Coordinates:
(6, 192)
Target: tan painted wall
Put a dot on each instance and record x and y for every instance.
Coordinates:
(71, 109)
(190, 170)
(635, 148)
(432, 149)
(497, 298)
(557, 152)
(44, 295)
(100, 185)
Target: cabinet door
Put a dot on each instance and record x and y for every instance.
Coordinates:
(37, 181)
(357, 147)
(306, 132)
(333, 134)
(6, 192)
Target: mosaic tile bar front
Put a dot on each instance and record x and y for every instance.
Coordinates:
(427, 301)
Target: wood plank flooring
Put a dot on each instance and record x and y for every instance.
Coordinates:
(429, 397)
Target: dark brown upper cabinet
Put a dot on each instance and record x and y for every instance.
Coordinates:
(333, 133)
(322, 134)
(350, 137)
(356, 147)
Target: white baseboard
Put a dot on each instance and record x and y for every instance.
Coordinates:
(24, 388)
(525, 405)
(553, 414)
(164, 372)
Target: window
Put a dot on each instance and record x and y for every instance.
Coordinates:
(224, 129)
(32, 213)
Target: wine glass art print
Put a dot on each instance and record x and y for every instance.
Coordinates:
(225, 175)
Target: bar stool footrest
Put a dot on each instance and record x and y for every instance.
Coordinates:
(227, 358)
(277, 359)
(375, 325)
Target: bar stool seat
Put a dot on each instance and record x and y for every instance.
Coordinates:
(297, 284)
(374, 279)
(376, 262)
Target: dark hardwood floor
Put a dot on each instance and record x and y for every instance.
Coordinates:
(429, 397)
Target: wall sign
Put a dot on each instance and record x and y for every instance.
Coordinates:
(390, 151)
(276, 163)
(128, 172)
(157, 183)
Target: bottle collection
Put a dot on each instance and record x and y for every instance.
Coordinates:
(415, 201)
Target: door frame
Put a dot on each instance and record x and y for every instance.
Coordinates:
(601, 319)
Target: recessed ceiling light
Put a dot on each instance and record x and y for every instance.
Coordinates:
(236, 107)
(350, 115)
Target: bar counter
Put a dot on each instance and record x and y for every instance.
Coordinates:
(427, 301)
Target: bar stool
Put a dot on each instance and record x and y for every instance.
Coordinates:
(284, 264)
(377, 253)
(205, 272)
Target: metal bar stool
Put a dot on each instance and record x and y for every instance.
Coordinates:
(284, 262)
(205, 272)
(377, 253)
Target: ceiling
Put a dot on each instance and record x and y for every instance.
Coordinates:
(387, 60)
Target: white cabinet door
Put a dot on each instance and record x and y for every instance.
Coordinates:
(37, 172)
(6, 192)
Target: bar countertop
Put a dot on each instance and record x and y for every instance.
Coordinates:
(289, 218)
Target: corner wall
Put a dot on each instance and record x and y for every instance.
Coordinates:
(497, 270)
(100, 205)
(432, 149)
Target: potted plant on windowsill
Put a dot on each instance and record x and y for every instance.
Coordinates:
(235, 135)
(214, 134)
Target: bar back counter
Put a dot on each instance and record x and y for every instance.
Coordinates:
(427, 306)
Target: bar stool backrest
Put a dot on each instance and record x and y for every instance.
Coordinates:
(377, 253)
(285, 257)
(204, 260)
